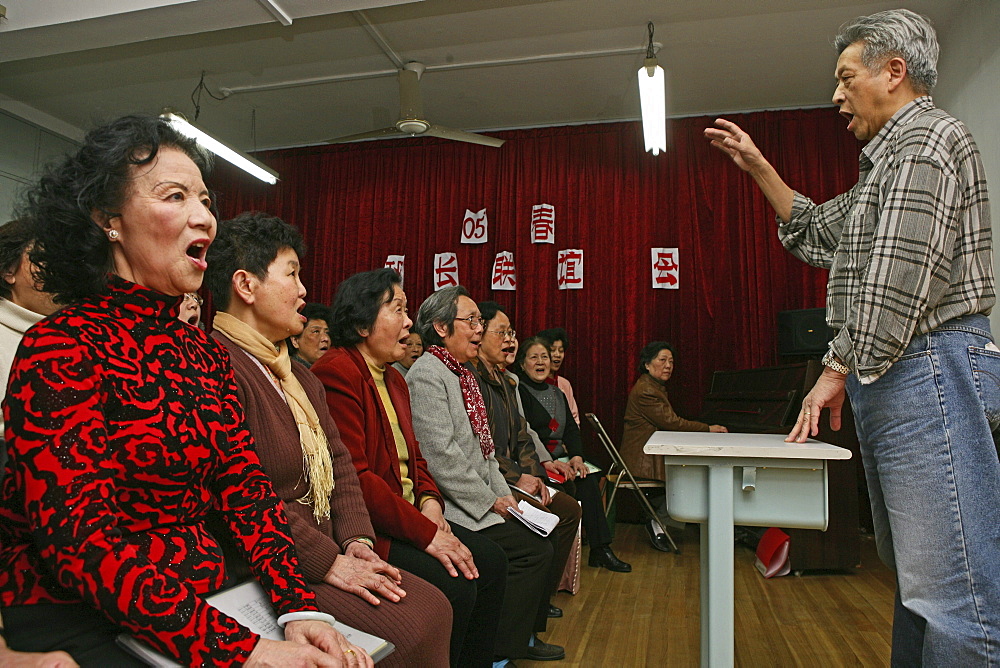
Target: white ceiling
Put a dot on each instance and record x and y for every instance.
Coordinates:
(491, 64)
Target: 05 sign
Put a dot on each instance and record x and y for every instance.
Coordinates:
(475, 227)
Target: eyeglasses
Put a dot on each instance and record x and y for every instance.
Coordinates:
(503, 333)
(473, 321)
(195, 296)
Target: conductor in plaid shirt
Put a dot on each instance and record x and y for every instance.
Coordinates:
(911, 283)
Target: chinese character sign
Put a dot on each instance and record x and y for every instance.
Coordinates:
(396, 262)
(543, 224)
(504, 276)
(445, 270)
(665, 268)
(570, 275)
(475, 227)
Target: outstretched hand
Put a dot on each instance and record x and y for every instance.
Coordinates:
(737, 144)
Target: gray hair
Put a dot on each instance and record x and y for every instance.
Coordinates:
(895, 33)
(440, 307)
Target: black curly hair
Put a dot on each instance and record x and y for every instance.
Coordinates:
(15, 238)
(650, 351)
(356, 306)
(251, 241)
(554, 334)
(71, 251)
(315, 311)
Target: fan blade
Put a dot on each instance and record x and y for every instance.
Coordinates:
(462, 135)
(410, 104)
(372, 134)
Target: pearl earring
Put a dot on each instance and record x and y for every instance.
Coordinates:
(113, 235)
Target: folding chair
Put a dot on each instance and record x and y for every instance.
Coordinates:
(619, 475)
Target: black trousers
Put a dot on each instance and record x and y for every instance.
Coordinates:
(587, 491)
(74, 628)
(473, 602)
(526, 601)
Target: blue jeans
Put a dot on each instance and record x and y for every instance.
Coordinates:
(925, 429)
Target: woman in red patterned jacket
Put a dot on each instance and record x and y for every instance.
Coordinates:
(123, 430)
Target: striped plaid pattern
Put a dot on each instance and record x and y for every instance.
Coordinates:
(909, 247)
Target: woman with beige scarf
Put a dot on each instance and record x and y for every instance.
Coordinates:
(254, 279)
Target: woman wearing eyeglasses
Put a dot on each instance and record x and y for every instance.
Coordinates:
(191, 309)
(451, 424)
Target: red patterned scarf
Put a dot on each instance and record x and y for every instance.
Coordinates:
(473, 398)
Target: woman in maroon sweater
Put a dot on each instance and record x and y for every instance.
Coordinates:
(253, 277)
(371, 403)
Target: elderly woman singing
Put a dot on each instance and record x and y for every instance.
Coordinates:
(451, 423)
(253, 276)
(371, 404)
(124, 431)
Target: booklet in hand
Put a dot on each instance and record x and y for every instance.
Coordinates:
(539, 521)
(250, 606)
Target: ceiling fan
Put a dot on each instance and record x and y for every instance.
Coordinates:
(411, 116)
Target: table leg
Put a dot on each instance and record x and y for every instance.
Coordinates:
(717, 563)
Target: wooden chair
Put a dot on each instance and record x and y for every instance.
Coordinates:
(619, 476)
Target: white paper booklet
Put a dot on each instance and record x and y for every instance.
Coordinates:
(248, 604)
(537, 520)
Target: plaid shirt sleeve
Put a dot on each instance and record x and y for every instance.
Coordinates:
(909, 265)
(813, 233)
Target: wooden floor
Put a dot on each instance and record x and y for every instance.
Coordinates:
(649, 617)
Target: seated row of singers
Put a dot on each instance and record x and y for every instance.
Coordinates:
(150, 465)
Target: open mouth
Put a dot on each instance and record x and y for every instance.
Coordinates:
(850, 118)
(197, 251)
(192, 319)
(508, 350)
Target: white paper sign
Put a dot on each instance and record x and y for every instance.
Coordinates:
(570, 275)
(504, 275)
(398, 263)
(665, 268)
(543, 224)
(445, 270)
(475, 227)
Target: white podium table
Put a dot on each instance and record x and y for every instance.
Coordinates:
(749, 479)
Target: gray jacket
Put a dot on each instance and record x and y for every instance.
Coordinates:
(470, 484)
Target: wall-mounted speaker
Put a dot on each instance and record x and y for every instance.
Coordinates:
(803, 332)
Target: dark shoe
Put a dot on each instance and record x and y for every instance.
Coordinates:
(554, 612)
(656, 537)
(543, 651)
(603, 556)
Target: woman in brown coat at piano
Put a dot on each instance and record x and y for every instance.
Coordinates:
(649, 410)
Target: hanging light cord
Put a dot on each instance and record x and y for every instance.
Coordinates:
(196, 95)
(649, 47)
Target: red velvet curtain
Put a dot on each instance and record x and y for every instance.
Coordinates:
(356, 204)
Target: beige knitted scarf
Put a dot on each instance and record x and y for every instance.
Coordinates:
(316, 462)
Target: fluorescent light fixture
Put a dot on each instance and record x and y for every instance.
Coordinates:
(653, 98)
(238, 158)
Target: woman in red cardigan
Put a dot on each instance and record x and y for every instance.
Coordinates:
(370, 403)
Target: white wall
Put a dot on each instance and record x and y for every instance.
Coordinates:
(969, 89)
(26, 148)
